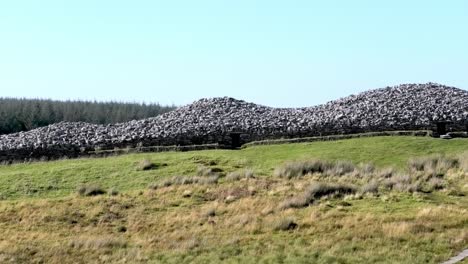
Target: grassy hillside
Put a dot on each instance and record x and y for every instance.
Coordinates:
(265, 204)
(60, 178)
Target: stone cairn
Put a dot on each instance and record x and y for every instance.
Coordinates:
(210, 121)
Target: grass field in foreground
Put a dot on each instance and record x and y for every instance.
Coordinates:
(371, 216)
(60, 178)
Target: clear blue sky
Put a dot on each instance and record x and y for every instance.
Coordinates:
(277, 53)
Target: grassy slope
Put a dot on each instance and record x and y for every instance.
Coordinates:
(163, 226)
(59, 178)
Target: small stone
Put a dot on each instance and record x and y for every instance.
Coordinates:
(230, 199)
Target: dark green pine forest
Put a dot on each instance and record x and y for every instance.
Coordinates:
(25, 114)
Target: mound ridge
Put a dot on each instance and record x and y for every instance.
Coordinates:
(402, 107)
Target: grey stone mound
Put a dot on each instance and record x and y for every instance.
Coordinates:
(207, 121)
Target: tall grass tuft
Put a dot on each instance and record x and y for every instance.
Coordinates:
(366, 169)
(240, 174)
(97, 243)
(284, 224)
(298, 201)
(370, 187)
(186, 180)
(203, 171)
(300, 168)
(386, 173)
(90, 190)
(320, 189)
(435, 165)
(316, 191)
(463, 160)
(145, 164)
(340, 168)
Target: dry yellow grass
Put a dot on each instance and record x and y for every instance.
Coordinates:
(163, 225)
(389, 216)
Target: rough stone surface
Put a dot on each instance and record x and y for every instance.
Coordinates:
(403, 107)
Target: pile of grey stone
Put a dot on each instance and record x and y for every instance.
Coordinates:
(207, 121)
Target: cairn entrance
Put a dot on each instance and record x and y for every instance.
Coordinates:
(235, 140)
(441, 128)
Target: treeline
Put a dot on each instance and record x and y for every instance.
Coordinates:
(25, 114)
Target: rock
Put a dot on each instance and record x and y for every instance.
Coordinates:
(230, 199)
(187, 193)
(207, 121)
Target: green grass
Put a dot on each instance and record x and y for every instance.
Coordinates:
(60, 178)
(43, 219)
